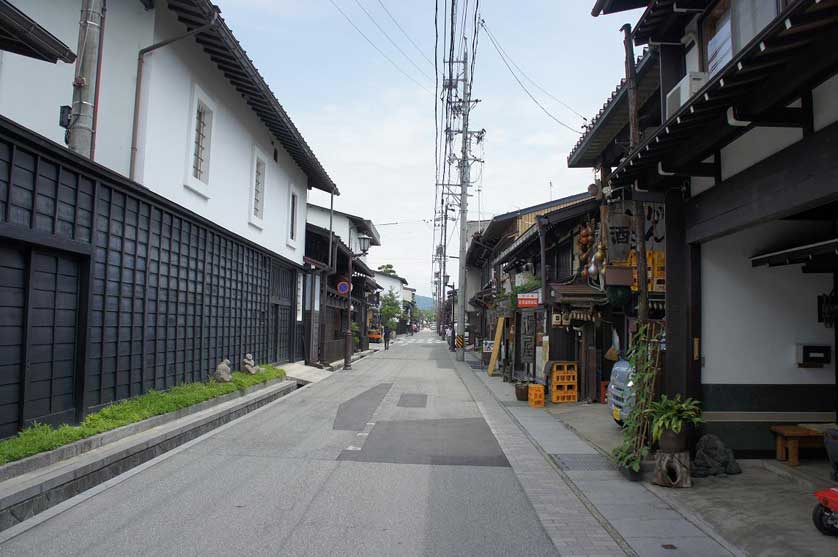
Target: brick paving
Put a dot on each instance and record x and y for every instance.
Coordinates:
(571, 525)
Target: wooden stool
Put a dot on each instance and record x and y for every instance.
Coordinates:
(791, 437)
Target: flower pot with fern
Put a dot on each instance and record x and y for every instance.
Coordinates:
(671, 418)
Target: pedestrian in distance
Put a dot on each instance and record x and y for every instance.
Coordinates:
(386, 337)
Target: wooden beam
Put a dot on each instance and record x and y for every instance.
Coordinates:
(798, 178)
(774, 118)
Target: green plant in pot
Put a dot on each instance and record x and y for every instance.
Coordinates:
(670, 420)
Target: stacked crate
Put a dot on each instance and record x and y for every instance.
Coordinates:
(536, 395)
(564, 380)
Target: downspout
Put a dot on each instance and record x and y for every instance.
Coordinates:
(139, 83)
(331, 217)
(542, 241)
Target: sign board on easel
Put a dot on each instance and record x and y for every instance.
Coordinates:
(493, 360)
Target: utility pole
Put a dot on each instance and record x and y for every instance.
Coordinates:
(465, 171)
(80, 134)
(639, 210)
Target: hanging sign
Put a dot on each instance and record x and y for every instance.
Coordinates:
(343, 288)
(488, 346)
(619, 236)
(529, 300)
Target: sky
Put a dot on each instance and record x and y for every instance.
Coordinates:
(372, 127)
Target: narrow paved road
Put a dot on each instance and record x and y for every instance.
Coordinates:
(392, 458)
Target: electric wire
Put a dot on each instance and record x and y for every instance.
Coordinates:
(372, 44)
(387, 36)
(524, 87)
(419, 50)
(539, 87)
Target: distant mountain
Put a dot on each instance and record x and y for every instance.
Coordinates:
(424, 302)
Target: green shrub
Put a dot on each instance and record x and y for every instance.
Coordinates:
(39, 438)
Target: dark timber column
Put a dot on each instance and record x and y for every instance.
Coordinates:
(678, 342)
(671, 71)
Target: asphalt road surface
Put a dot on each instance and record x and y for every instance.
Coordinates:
(391, 458)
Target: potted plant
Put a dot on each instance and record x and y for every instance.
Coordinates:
(670, 418)
(522, 390)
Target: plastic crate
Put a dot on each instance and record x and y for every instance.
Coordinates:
(564, 387)
(564, 396)
(563, 377)
(562, 367)
(536, 396)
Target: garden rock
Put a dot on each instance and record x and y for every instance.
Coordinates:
(249, 365)
(712, 458)
(222, 372)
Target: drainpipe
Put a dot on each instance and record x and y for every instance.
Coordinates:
(85, 82)
(331, 216)
(139, 84)
(542, 241)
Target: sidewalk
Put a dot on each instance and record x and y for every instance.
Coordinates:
(636, 517)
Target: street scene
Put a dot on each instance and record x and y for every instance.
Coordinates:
(366, 277)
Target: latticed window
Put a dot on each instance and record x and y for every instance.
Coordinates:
(200, 157)
(292, 234)
(259, 189)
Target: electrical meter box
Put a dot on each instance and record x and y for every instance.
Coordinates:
(813, 355)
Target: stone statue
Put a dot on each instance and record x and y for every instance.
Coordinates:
(222, 372)
(249, 365)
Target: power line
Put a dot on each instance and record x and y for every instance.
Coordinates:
(383, 32)
(542, 89)
(524, 87)
(372, 44)
(419, 50)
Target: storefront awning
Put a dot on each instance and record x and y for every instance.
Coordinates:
(819, 257)
(794, 52)
(577, 295)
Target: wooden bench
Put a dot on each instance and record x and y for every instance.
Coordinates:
(791, 437)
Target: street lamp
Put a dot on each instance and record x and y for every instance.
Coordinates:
(348, 343)
(364, 243)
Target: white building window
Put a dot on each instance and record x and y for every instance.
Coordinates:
(258, 187)
(199, 152)
(292, 217)
(203, 129)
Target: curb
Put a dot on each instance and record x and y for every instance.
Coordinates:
(37, 461)
(34, 492)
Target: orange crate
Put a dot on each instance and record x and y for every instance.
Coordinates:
(568, 377)
(536, 396)
(562, 367)
(564, 396)
(564, 387)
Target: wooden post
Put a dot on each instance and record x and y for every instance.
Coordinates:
(639, 213)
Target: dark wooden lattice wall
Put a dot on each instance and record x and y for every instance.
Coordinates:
(161, 295)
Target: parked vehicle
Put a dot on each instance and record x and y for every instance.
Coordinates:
(620, 393)
(825, 513)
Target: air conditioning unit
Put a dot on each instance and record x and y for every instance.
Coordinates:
(681, 93)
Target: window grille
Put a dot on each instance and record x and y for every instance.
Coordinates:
(202, 130)
(259, 189)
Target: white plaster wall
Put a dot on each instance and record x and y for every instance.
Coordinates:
(164, 146)
(32, 91)
(752, 318)
(755, 146)
(387, 283)
(825, 103)
(341, 226)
